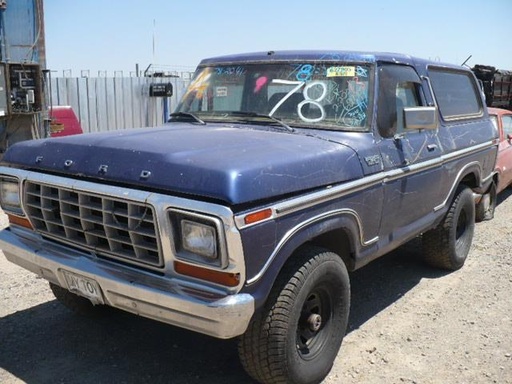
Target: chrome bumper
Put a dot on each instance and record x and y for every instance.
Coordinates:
(165, 299)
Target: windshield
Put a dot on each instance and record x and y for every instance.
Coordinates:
(323, 95)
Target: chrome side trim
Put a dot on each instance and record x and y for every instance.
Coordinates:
(454, 185)
(330, 193)
(303, 202)
(303, 225)
(457, 179)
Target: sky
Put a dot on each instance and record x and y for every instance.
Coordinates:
(116, 35)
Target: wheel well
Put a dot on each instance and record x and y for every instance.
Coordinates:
(470, 181)
(339, 242)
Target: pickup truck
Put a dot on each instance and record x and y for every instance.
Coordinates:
(277, 175)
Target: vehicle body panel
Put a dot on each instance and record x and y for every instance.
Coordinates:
(233, 164)
(339, 178)
(504, 163)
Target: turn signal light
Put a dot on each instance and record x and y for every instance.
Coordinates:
(21, 221)
(223, 278)
(255, 217)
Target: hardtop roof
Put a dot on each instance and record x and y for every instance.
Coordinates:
(320, 55)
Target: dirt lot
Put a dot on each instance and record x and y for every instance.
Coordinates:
(409, 324)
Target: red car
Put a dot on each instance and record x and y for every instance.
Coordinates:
(63, 121)
(502, 118)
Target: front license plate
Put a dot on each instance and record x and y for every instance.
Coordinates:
(84, 286)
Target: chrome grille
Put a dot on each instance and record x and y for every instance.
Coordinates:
(111, 227)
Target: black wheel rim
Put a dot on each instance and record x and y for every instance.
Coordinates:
(314, 323)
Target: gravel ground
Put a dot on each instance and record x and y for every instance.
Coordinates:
(409, 324)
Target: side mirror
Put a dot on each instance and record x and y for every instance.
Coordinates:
(420, 118)
(509, 137)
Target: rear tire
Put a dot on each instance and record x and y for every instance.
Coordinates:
(447, 245)
(296, 336)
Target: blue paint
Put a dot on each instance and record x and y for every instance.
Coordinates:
(236, 165)
(360, 190)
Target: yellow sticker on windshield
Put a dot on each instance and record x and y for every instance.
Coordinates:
(341, 71)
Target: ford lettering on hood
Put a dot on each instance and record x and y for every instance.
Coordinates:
(232, 164)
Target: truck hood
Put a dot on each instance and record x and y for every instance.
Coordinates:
(233, 164)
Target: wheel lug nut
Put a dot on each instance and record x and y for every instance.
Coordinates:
(314, 322)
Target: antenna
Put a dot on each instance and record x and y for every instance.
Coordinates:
(465, 61)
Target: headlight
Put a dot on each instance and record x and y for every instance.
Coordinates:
(10, 195)
(199, 238)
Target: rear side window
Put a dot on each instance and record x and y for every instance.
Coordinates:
(456, 93)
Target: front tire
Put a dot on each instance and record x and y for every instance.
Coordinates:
(77, 304)
(447, 245)
(297, 335)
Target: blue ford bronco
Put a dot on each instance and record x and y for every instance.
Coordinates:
(277, 175)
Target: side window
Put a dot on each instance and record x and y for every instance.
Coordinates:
(407, 96)
(456, 93)
(399, 87)
(494, 120)
(507, 125)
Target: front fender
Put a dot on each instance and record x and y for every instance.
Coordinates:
(340, 231)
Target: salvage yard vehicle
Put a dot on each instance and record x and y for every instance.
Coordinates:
(63, 121)
(502, 119)
(277, 175)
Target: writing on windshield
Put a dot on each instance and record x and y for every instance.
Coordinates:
(324, 95)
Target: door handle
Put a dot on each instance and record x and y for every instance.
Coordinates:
(431, 147)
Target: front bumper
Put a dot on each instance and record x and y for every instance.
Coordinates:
(170, 300)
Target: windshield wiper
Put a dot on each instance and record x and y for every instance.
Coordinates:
(261, 115)
(187, 115)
